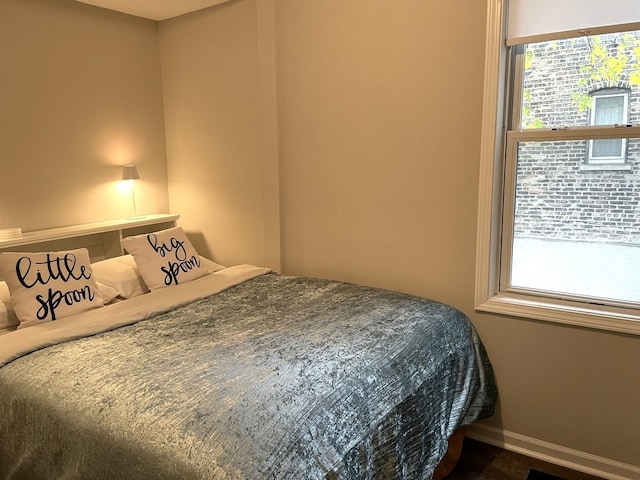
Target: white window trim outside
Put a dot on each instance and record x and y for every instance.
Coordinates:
(488, 296)
(615, 160)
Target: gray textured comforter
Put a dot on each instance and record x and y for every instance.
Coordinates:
(277, 378)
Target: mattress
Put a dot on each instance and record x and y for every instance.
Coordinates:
(243, 374)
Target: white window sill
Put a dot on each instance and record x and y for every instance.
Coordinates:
(616, 319)
(606, 167)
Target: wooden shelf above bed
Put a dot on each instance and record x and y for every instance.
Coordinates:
(101, 238)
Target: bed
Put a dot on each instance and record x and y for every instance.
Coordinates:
(239, 373)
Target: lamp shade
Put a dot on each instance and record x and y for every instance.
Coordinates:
(130, 172)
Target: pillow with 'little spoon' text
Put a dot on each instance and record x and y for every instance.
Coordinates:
(46, 286)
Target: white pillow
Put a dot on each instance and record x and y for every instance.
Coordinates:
(121, 273)
(165, 258)
(7, 315)
(107, 292)
(46, 286)
(210, 264)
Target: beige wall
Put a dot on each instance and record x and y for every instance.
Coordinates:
(379, 109)
(380, 119)
(80, 94)
(211, 98)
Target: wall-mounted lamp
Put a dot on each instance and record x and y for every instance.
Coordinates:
(130, 172)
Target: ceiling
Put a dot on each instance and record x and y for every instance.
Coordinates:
(154, 9)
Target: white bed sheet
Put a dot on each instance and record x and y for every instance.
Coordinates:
(23, 341)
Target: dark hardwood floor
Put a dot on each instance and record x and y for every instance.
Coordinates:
(480, 461)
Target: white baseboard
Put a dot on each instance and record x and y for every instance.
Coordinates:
(549, 452)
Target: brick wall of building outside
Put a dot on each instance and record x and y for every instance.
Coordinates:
(557, 198)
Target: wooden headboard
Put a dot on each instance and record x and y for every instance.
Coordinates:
(102, 239)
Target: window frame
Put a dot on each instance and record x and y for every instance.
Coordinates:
(493, 188)
(608, 93)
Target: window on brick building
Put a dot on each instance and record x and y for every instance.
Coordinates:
(610, 106)
(559, 226)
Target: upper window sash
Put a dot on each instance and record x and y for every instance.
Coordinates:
(515, 79)
(622, 100)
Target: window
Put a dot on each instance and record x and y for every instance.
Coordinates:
(608, 107)
(559, 205)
